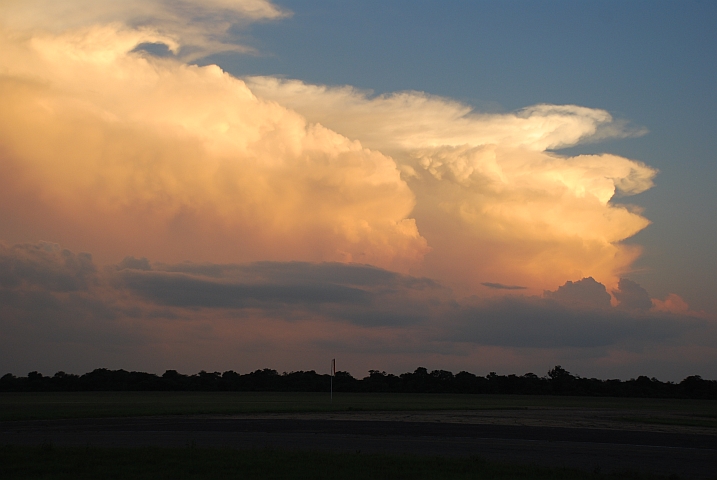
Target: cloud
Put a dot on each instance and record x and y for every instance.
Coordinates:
(298, 272)
(415, 120)
(188, 28)
(360, 294)
(117, 152)
(134, 264)
(109, 148)
(60, 310)
(632, 296)
(54, 305)
(500, 286)
(189, 291)
(44, 266)
(673, 303)
(517, 212)
(585, 293)
(533, 322)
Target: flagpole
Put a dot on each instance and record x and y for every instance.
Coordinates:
(333, 371)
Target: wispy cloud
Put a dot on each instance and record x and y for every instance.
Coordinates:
(416, 120)
(189, 29)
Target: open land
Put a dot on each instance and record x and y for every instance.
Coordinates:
(653, 436)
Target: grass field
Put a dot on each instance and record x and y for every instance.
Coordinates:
(45, 405)
(48, 462)
(53, 462)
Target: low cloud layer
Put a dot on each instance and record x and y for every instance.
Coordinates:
(56, 303)
(500, 286)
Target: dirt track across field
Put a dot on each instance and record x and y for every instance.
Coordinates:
(580, 439)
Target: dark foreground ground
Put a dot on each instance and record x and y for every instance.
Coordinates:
(668, 451)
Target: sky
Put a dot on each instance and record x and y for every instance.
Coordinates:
(239, 184)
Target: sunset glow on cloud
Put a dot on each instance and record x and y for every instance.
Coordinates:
(515, 212)
(125, 150)
(257, 211)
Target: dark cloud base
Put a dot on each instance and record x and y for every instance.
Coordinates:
(548, 323)
(500, 286)
(50, 297)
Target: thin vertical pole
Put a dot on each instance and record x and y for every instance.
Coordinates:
(333, 371)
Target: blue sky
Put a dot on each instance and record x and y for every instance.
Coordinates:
(652, 63)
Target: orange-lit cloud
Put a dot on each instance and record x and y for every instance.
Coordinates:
(415, 120)
(673, 303)
(108, 148)
(516, 212)
(189, 28)
(119, 152)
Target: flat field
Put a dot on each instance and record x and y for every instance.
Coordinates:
(311, 436)
(486, 408)
(48, 462)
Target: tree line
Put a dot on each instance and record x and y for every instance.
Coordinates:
(558, 381)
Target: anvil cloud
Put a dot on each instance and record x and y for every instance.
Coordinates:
(516, 212)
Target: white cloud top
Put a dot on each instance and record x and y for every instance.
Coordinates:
(410, 120)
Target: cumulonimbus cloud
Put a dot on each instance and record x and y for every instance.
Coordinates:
(106, 147)
(517, 212)
(112, 150)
